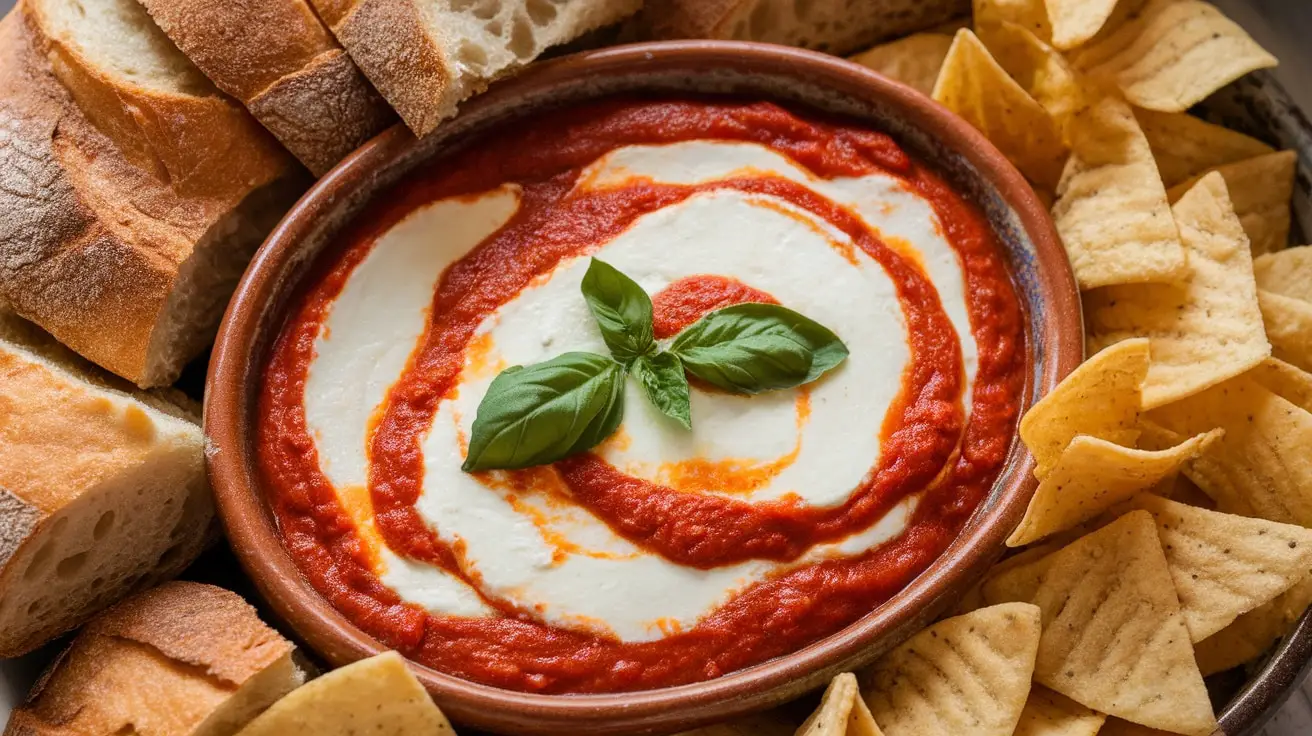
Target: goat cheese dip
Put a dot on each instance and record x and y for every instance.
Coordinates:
(663, 556)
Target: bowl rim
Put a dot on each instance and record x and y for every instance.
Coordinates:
(252, 534)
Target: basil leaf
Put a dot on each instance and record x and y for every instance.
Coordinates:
(749, 348)
(661, 376)
(622, 310)
(538, 414)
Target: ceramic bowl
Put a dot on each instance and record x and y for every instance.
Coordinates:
(755, 71)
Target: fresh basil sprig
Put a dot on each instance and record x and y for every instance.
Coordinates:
(542, 413)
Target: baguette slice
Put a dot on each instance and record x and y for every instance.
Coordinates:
(277, 58)
(425, 56)
(837, 26)
(183, 659)
(130, 207)
(102, 491)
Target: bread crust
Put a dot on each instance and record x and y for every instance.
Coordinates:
(90, 243)
(278, 58)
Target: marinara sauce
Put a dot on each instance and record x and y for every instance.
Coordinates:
(933, 444)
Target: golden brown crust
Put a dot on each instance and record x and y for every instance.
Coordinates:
(323, 111)
(688, 18)
(392, 46)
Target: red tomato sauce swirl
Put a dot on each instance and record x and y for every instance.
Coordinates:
(924, 450)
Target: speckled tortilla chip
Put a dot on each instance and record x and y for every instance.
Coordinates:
(1225, 565)
(1029, 14)
(1053, 714)
(842, 712)
(1091, 476)
(1254, 632)
(975, 598)
(974, 86)
(1185, 146)
(1288, 323)
(1260, 189)
(1288, 272)
(1037, 67)
(1076, 21)
(1173, 55)
(1111, 209)
(1100, 399)
(967, 676)
(1261, 467)
(1207, 328)
(1114, 638)
(1288, 381)
(374, 695)
(914, 60)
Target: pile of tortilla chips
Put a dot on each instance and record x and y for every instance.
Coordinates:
(1169, 535)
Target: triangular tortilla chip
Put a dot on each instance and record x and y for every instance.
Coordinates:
(1053, 714)
(914, 60)
(1111, 209)
(1288, 381)
(1260, 189)
(1203, 331)
(1114, 638)
(975, 599)
(1077, 21)
(1254, 632)
(1288, 272)
(1037, 67)
(1173, 55)
(1093, 475)
(1100, 399)
(1288, 324)
(1261, 467)
(1030, 14)
(1186, 147)
(375, 695)
(1226, 565)
(975, 87)
(842, 712)
(964, 676)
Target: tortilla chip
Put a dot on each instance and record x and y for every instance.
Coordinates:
(1053, 714)
(1030, 14)
(1254, 632)
(842, 712)
(1260, 189)
(1289, 382)
(1037, 67)
(1288, 272)
(1114, 638)
(1204, 330)
(966, 676)
(1226, 565)
(975, 598)
(1288, 323)
(1185, 146)
(1100, 399)
(1117, 727)
(1077, 21)
(1093, 475)
(1111, 209)
(974, 86)
(914, 60)
(375, 695)
(1173, 55)
(1261, 467)
(770, 723)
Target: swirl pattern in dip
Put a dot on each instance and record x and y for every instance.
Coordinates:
(664, 556)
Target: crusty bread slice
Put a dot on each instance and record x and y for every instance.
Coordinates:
(836, 26)
(124, 229)
(183, 659)
(102, 490)
(425, 56)
(277, 57)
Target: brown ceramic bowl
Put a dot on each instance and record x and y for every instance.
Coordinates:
(799, 78)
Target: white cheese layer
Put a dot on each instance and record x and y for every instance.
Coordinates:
(537, 549)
